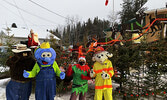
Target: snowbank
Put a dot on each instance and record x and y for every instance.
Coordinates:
(3, 83)
(3, 69)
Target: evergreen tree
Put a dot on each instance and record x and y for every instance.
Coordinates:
(156, 68)
(129, 9)
(66, 36)
(73, 34)
(9, 42)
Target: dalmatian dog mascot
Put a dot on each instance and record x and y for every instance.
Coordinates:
(102, 71)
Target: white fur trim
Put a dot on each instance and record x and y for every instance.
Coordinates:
(82, 59)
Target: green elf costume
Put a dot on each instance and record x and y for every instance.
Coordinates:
(81, 76)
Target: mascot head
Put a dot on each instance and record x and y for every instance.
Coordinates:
(101, 55)
(44, 54)
(82, 60)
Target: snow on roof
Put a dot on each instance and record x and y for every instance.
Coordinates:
(23, 33)
(152, 5)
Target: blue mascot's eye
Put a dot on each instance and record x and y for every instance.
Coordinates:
(46, 54)
(49, 54)
(43, 55)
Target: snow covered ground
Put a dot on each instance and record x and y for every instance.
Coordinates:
(4, 82)
(65, 96)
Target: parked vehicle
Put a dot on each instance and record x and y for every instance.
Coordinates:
(4, 49)
(3, 55)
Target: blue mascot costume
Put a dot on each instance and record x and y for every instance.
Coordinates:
(45, 70)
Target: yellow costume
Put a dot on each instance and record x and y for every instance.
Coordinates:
(103, 86)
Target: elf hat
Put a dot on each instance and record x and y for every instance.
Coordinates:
(82, 58)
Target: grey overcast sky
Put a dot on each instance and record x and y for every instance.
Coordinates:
(25, 13)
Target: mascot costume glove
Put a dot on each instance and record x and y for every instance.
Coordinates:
(62, 75)
(104, 75)
(25, 74)
(92, 73)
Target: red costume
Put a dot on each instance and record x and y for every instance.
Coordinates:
(80, 74)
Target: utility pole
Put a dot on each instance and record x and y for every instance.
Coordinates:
(113, 7)
(113, 15)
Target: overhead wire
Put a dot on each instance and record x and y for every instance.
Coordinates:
(30, 13)
(32, 25)
(9, 11)
(50, 10)
(21, 15)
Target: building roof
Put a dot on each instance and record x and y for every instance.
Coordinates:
(23, 33)
(153, 5)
